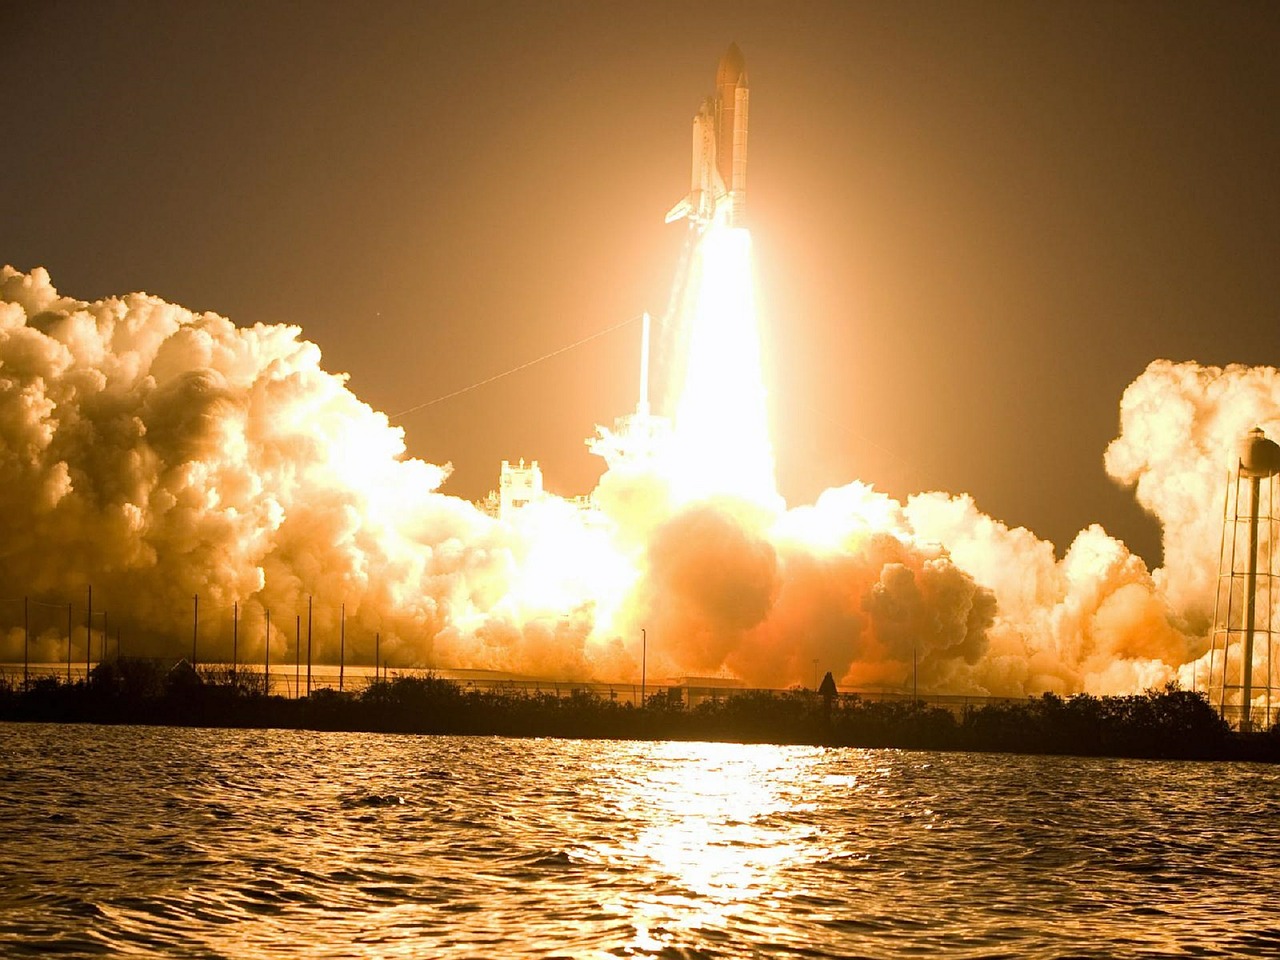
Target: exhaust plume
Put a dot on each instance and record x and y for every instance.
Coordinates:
(159, 453)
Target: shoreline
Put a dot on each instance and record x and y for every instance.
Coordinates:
(1165, 724)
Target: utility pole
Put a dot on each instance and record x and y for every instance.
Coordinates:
(377, 654)
(266, 670)
(297, 655)
(68, 643)
(342, 647)
(644, 663)
(26, 644)
(308, 645)
(88, 634)
(235, 638)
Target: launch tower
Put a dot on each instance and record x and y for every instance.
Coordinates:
(518, 486)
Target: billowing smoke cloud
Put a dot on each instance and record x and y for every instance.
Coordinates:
(158, 454)
(1181, 427)
(1181, 424)
(865, 584)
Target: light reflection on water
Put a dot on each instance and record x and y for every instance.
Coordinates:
(152, 842)
(715, 825)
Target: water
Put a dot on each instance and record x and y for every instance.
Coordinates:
(137, 841)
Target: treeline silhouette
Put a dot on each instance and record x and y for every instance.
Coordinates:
(1169, 723)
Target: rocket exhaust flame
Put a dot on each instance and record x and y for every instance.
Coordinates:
(721, 442)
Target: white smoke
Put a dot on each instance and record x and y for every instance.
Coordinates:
(1181, 426)
(158, 454)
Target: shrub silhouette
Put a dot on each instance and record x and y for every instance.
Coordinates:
(1159, 723)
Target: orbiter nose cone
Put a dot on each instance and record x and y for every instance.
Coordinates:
(733, 67)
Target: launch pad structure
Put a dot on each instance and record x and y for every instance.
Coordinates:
(636, 440)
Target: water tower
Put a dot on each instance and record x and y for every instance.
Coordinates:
(1241, 670)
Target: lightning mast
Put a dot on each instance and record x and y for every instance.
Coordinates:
(636, 439)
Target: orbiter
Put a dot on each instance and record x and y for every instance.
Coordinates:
(719, 188)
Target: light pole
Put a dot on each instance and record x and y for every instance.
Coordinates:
(235, 639)
(88, 634)
(644, 662)
(266, 664)
(297, 655)
(308, 645)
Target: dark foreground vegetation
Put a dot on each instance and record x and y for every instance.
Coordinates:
(1168, 723)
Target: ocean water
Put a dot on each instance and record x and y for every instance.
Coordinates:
(140, 841)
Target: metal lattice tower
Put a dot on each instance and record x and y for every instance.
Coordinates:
(1243, 656)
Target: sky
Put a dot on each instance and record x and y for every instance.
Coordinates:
(974, 224)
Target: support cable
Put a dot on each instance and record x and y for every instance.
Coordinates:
(516, 369)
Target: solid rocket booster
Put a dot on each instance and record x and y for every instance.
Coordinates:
(719, 187)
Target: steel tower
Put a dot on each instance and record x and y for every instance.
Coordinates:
(1242, 657)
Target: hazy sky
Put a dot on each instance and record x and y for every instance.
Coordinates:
(975, 224)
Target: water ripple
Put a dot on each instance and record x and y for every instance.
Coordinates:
(144, 842)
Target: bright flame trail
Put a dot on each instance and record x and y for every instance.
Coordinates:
(721, 442)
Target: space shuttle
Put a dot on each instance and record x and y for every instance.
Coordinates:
(719, 188)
